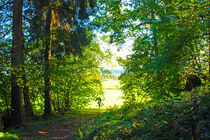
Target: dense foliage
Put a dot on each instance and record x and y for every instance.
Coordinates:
(50, 62)
(170, 43)
(181, 119)
(170, 60)
(57, 64)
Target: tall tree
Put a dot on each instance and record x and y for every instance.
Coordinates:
(47, 58)
(27, 103)
(17, 57)
(62, 29)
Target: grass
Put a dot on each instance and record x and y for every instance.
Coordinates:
(112, 95)
(87, 111)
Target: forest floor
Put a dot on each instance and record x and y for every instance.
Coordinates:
(62, 130)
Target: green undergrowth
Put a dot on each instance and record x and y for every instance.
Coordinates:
(8, 136)
(38, 123)
(177, 120)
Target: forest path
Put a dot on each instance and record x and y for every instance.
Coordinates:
(63, 130)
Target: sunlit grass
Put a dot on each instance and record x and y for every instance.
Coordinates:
(112, 94)
(86, 111)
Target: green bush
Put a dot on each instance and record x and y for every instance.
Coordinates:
(8, 136)
(171, 120)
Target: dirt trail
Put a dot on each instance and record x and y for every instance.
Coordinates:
(63, 130)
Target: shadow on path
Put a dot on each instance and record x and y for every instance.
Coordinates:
(63, 130)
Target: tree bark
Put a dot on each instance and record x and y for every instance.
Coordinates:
(47, 58)
(16, 62)
(27, 103)
(154, 32)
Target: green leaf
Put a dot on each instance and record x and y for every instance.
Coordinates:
(167, 70)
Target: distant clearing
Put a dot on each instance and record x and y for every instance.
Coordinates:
(112, 94)
(111, 84)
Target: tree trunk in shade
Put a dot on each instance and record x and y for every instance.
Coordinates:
(27, 103)
(47, 58)
(16, 62)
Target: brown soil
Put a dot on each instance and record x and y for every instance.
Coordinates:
(63, 130)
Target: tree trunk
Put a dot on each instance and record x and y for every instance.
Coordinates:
(47, 57)
(16, 60)
(27, 103)
(154, 32)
